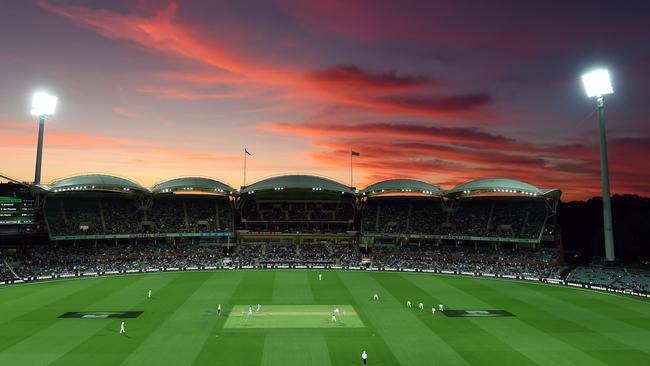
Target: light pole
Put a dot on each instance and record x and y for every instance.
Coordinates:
(43, 106)
(598, 84)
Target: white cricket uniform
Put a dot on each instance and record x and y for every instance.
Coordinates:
(250, 310)
(219, 309)
(149, 294)
(375, 297)
(441, 307)
(122, 329)
(320, 276)
(337, 312)
(364, 357)
(333, 318)
(408, 303)
(259, 307)
(433, 311)
(421, 306)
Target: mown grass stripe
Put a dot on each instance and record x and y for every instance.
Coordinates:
(568, 325)
(518, 334)
(228, 347)
(48, 344)
(179, 338)
(138, 329)
(464, 336)
(292, 287)
(296, 349)
(410, 339)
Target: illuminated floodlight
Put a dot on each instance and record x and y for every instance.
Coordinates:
(597, 83)
(43, 104)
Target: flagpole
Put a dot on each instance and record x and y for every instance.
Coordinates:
(351, 185)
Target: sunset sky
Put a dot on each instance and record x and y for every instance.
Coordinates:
(444, 91)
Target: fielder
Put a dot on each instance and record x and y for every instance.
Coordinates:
(149, 296)
(219, 310)
(333, 317)
(250, 310)
(259, 307)
(122, 329)
(364, 357)
(441, 308)
(433, 311)
(337, 312)
(375, 296)
(408, 304)
(320, 277)
(421, 306)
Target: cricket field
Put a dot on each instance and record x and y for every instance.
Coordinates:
(486, 322)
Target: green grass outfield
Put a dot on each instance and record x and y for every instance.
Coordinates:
(551, 325)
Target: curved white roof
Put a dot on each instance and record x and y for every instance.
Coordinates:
(402, 186)
(200, 184)
(86, 182)
(298, 182)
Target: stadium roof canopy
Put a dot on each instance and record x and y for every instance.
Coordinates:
(402, 186)
(501, 186)
(301, 182)
(95, 182)
(192, 184)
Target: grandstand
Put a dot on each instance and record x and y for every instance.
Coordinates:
(296, 208)
(493, 225)
(105, 207)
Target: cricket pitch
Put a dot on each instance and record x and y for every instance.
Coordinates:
(293, 316)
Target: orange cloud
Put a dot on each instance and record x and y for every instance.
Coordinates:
(453, 155)
(163, 32)
(121, 111)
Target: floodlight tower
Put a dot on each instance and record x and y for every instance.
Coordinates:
(598, 84)
(43, 106)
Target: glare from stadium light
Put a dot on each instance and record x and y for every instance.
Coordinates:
(597, 83)
(43, 104)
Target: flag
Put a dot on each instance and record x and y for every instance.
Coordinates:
(354, 153)
(246, 151)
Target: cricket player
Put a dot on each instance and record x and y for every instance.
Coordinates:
(408, 304)
(320, 277)
(333, 317)
(250, 310)
(375, 296)
(149, 296)
(433, 311)
(219, 310)
(337, 312)
(442, 308)
(259, 307)
(122, 329)
(364, 357)
(421, 306)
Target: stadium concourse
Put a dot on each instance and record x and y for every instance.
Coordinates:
(107, 224)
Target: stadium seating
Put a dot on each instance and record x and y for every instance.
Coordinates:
(480, 217)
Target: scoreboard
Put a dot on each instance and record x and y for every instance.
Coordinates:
(16, 210)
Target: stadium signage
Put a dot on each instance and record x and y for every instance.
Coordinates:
(547, 281)
(457, 237)
(136, 236)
